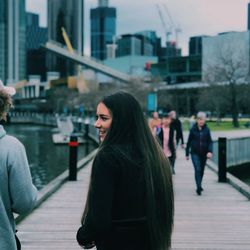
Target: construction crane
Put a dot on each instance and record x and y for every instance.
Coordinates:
(67, 41)
(81, 83)
(176, 28)
(168, 31)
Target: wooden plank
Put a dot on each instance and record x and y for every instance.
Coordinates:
(219, 219)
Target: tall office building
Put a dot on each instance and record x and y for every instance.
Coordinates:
(195, 45)
(12, 40)
(103, 29)
(35, 37)
(248, 16)
(70, 15)
(151, 37)
(134, 45)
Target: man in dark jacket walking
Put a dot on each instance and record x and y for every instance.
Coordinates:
(201, 145)
(177, 127)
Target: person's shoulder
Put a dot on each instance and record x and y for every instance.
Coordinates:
(194, 128)
(178, 120)
(116, 154)
(11, 141)
(207, 128)
(107, 153)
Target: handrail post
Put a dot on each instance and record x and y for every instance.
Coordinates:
(73, 145)
(222, 148)
(86, 122)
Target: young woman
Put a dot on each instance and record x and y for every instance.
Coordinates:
(17, 193)
(167, 140)
(130, 203)
(201, 145)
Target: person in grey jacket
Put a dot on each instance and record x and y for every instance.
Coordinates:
(17, 193)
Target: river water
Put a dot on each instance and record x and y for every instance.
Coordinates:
(46, 159)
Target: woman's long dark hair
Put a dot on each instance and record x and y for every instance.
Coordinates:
(129, 127)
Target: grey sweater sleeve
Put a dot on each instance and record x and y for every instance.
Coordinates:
(23, 193)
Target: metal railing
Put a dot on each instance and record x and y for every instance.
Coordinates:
(237, 151)
(33, 117)
(51, 120)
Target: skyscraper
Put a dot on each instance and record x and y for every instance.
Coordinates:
(195, 45)
(35, 37)
(12, 40)
(103, 29)
(248, 16)
(151, 37)
(70, 15)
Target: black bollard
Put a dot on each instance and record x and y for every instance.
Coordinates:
(222, 148)
(86, 135)
(73, 145)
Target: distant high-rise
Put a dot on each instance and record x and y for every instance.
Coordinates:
(195, 45)
(151, 37)
(248, 17)
(35, 37)
(70, 15)
(12, 40)
(103, 29)
(129, 45)
(134, 45)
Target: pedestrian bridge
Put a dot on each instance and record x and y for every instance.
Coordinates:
(218, 219)
(98, 66)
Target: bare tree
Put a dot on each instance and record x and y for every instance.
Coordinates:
(213, 98)
(228, 68)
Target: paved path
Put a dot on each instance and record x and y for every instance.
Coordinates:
(54, 224)
(219, 219)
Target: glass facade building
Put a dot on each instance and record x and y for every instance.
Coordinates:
(70, 15)
(12, 40)
(151, 37)
(129, 45)
(136, 44)
(195, 45)
(36, 36)
(248, 16)
(103, 30)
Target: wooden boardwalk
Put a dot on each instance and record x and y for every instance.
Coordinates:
(219, 219)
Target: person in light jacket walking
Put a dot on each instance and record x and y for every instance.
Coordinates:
(17, 193)
(201, 145)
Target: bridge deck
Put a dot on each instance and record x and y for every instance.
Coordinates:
(219, 219)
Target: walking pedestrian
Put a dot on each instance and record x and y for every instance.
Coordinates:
(130, 200)
(166, 139)
(155, 123)
(201, 145)
(17, 193)
(191, 121)
(177, 126)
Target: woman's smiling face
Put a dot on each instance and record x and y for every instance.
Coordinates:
(103, 120)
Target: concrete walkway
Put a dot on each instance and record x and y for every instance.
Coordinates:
(219, 219)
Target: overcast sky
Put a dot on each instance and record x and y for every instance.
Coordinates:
(194, 17)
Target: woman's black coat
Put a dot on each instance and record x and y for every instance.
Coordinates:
(116, 217)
